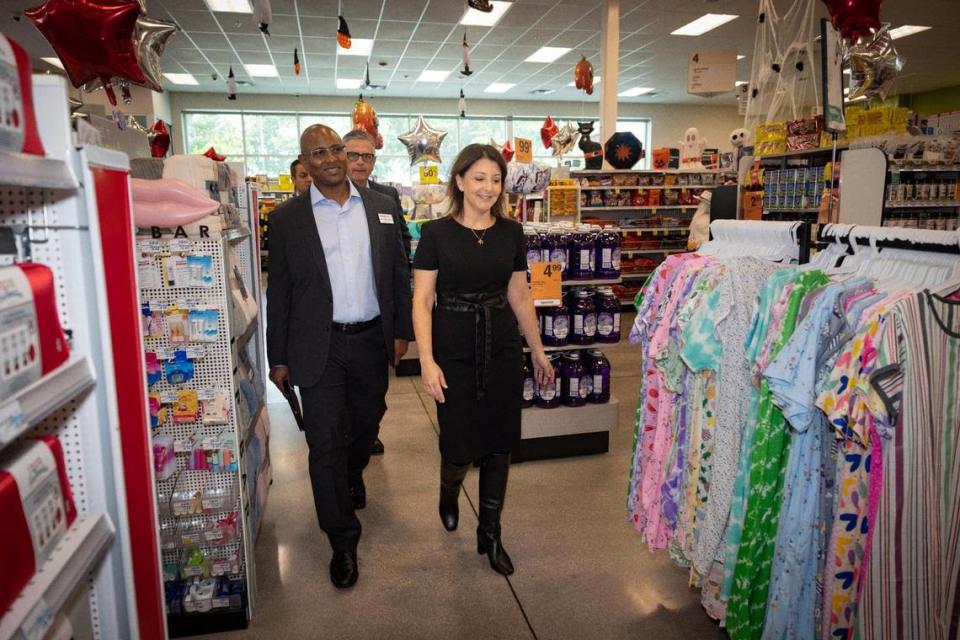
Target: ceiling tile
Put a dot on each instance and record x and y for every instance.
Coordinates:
(430, 32)
(393, 30)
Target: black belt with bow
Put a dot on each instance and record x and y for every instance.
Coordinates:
(481, 305)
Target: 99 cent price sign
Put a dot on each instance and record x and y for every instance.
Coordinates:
(524, 150)
(545, 284)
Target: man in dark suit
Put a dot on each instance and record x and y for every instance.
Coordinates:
(361, 161)
(338, 311)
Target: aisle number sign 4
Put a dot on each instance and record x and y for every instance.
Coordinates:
(429, 175)
(523, 148)
(545, 283)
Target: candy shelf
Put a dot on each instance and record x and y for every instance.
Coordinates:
(638, 274)
(35, 402)
(70, 564)
(652, 230)
(803, 153)
(792, 210)
(645, 187)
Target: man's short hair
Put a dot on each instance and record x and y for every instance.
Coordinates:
(293, 167)
(359, 134)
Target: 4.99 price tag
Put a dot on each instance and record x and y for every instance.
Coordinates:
(545, 283)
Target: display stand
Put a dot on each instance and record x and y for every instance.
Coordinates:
(73, 210)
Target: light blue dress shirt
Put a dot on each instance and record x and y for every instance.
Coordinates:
(345, 236)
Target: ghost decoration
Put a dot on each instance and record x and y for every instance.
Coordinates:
(423, 142)
(691, 150)
(738, 138)
(466, 71)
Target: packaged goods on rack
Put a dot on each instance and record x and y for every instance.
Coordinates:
(585, 252)
(562, 197)
(581, 377)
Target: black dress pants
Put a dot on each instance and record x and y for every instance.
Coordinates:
(341, 416)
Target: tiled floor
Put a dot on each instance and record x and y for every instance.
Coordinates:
(582, 571)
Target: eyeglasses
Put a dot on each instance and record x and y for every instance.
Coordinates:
(321, 152)
(353, 156)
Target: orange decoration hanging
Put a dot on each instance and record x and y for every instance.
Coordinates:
(343, 34)
(365, 119)
(583, 75)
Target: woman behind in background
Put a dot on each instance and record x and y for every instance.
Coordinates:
(470, 293)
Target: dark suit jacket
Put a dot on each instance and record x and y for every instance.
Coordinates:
(299, 295)
(395, 195)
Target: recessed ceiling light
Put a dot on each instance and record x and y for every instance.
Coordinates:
(433, 75)
(360, 47)
(349, 83)
(740, 83)
(741, 56)
(543, 92)
(636, 91)
(261, 70)
(54, 61)
(703, 24)
(547, 54)
(481, 19)
(499, 87)
(181, 78)
(906, 30)
(596, 80)
(230, 6)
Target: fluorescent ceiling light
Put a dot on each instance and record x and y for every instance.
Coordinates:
(261, 70)
(547, 54)
(596, 80)
(740, 56)
(636, 91)
(740, 83)
(433, 75)
(499, 87)
(481, 19)
(54, 61)
(703, 24)
(360, 47)
(230, 6)
(906, 30)
(181, 78)
(348, 83)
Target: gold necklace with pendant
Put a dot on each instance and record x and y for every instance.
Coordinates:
(479, 237)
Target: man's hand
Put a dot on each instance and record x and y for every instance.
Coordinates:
(280, 376)
(399, 350)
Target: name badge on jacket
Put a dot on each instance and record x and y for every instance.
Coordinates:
(385, 218)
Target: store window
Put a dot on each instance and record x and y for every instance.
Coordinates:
(221, 130)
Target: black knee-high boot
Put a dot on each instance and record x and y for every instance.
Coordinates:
(451, 477)
(494, 469)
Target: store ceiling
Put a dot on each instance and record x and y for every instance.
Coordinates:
(413, 35)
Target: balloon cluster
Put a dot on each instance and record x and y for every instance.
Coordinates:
(560, 140)
(854, 18)
(99, 40)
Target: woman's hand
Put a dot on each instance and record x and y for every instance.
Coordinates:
(542, 368)
(433, 381)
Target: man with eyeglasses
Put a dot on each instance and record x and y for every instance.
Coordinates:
(361, 160)
(338, 311)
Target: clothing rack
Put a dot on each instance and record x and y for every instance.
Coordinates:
(889, 238)
(759, 233)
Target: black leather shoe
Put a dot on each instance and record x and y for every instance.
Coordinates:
(343, 569)
(358, 492)
(377, 448)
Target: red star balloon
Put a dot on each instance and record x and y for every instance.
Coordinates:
(547, 131)
(93, 38)
(160, 143)
(213, 155)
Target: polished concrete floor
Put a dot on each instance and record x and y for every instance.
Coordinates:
(582, 571)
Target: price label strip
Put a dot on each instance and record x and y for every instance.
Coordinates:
(545, 284)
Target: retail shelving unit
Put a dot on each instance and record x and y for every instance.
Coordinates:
(73, 210)
(922, 196)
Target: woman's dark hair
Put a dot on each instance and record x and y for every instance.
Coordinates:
(466, 159)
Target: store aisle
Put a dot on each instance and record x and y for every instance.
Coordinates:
(581, 569)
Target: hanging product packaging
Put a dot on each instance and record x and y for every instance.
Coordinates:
(18, 125)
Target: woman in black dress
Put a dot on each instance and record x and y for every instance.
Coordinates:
(470, 293)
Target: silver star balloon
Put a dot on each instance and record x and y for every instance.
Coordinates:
(874, 65)
(423, 142)
(564, 140)
(149, 38)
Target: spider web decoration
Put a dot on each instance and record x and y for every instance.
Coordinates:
(783, 81)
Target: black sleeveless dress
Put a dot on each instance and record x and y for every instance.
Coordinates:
(482, 365)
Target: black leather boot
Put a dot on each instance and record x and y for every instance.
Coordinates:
(451, 477)
(494, 469)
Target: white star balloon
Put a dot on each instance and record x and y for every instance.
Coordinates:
(423, 142)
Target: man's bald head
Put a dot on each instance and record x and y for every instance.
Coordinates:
(310, 136)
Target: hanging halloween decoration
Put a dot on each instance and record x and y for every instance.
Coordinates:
(466, 71)
(623, 150)
(854, 19)
(296, 62)
(592, 150)
(564, 141)
(506, 151)
(547, 131)
(231, 85)
(480, 5)
(423, 142)
(161, 139)
(263, 14)
(462, 105)
(583, 75)
(343, 34)
(365, 119)
(94, 39)
(874, 65)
